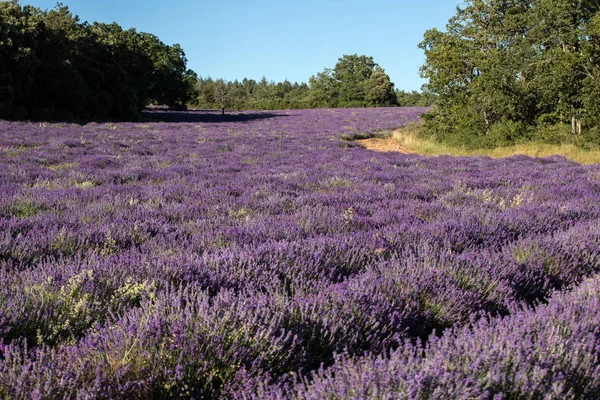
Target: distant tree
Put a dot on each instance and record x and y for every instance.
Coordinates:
(172, 83)
(372, 88)
(414, 98)
(350, 74)
(249, 94)
(298, 96)
(379, 91)
(264, 93)
(206, 93)
(355, 81)
(223, 94)
(248, 87)
(323, 89)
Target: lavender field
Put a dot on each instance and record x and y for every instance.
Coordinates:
(258, 255)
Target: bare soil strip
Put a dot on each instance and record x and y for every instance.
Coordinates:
(384, 145)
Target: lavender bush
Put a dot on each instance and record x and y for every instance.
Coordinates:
(260, 254)
(548, 353)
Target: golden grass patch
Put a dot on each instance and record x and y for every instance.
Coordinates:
(406, 140)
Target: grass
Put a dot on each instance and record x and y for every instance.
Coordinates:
(408, 138)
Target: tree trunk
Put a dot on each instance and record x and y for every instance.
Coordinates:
(575, 126)
(222, 110)
(575, 122)
(485, 118)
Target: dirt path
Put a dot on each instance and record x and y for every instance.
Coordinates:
(378, 144)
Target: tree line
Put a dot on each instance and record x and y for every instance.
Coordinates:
(505, 70)
(355, 81)
(52, 66)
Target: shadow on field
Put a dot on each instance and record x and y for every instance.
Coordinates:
(206, 116)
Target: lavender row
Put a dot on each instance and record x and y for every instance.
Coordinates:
(438, 288)
(547, 353)
(446, 285)
(186, 342)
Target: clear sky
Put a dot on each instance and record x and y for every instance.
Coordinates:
(279, 39)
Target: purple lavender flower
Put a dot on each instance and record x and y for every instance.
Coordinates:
(261, 255)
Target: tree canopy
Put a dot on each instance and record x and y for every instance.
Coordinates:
(505, 67)
(55, 67)
(249, 94)
(52, 66)
(356, 81)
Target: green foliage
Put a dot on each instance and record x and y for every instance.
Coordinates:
(414, 98)
(350, 75)
(553, 134)
(52, 66)
(504, 133)
(504, 69)
(356, 81)
(63, 312)
(25, 208)
(378, 90)
(323, 89)
(250, 94)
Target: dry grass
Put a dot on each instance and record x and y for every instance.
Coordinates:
(387, 144)
(407, 140)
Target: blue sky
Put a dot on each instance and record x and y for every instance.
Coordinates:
(279, 39)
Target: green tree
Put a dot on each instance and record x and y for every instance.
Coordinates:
(359, 75)
(414, 98)
(224, 94)
(323, 89)
(206, 93)
(52, 66)
(172, 84)
(505, 66)
(590, 93)
(379, 91)
(19, 29)
(350, 74)
(355, 81)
